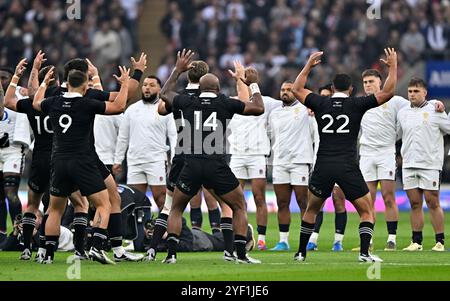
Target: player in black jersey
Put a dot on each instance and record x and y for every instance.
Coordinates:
(40, 174)
(339, 120)
(73, 160)
(203, 135)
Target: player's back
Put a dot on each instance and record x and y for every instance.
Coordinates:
(339, 122)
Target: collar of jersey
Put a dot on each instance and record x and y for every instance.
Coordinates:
(339, 95)
(191, 86)
(208, 95)
(64, 85)
(291, 105)
(72, 95)
(421, 105)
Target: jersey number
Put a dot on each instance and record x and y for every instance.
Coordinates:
(341, 129)
(45, 122)
(211, 121)
(65, 121)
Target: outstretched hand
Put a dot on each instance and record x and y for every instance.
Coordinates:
(184, 59)
(20, 68)
(124, 75)
(391, 57)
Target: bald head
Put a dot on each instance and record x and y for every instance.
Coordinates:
(209, 83)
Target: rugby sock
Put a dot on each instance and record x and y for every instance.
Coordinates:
(340, 222)
(3, 215)
(306, 230)
(196, 218)
(338, 237)
(314, 237)
(158, 232)
(42, 232)
(226, 225)
(214, 220)
(29, 223)
(115, 233)
(440, 238)
(392, 230)
(99, 238)
(239, 243)
(262, 232)
(365, 235)
(80, 222)
(319, 220)
(50, 246)
(284, 232)
(172, 243)
(417, 237)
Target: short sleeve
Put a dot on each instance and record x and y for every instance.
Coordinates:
(235, 106)
(96, 106)
(97, 95)
(365, 103)
(313, 101)
(180, 102)
(24, 105)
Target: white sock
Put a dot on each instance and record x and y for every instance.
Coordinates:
(261, 237)
(371, 241)
(167, 204)
(392, 237)
(338, 237)
(118, 251)
(314, 237)
(284, 237)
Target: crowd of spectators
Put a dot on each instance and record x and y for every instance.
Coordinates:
(277, 36)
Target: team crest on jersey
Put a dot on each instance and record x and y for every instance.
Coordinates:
(385, 106)
(426, 115)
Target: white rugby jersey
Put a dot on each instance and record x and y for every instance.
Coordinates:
(144, 133)
(249, 133)
(292, 133)
(422, 130)
(17, 127)
(106, 130)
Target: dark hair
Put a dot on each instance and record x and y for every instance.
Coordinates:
(44, 71)
(417, 82)
(156, 78)
(75, 64)
(287, 82)
(372, 72)
(77, 78)
(342, 82)
(8, 70)
(328, 87)
(199, 69)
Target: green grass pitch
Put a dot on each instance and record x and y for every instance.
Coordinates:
(277, 266)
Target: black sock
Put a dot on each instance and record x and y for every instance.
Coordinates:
(306, 230)
(80, 222)
(226, 225)
(283, 227)
(340, 222)
(160, 229)
(50, 246)
(214, 220)
(42, 232)
(262, 230)
(440, 238)
(392, 227)
(239, 243)
(115, 229)
(3, 215)
(319, 220)
(29, 223)
(99, 238)
(196, 218)
(15, 208)
(365, 235)
(417, 237)
(172, 243)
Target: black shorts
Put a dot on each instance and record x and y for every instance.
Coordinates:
(347, 175)
(39, 180)
(104, 171)
(175, 171)
(69, 175)
(213, 174)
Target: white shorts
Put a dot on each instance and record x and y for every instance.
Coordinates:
(376, 168)
(153, 173)
(294, 174)
(12, 159)
(248, 167)
(428, 179)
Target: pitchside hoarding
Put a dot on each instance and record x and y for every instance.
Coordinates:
(438, 79)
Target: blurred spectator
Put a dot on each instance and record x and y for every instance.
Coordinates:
(412, 43)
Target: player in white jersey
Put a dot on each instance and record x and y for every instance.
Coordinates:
(377, 150)
(421, 129)
(144, 133)
(292, 132)
(14, 143)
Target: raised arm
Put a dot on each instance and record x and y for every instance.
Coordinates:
(241, 88)
(391, 81)
(182, 65)
(40, 94)
(255, 106)
(118, 105)
(93, 73)
(33, 81)
(298, 89)
(10, 96)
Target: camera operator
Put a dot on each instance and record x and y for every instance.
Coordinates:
(14, 242)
